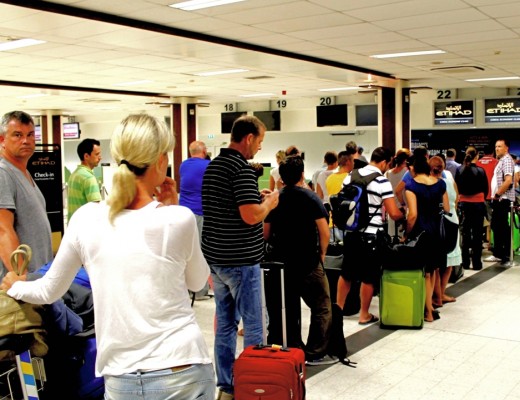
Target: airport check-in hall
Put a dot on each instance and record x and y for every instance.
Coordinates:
(318, 74)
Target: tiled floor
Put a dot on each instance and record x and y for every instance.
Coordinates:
(472, 352)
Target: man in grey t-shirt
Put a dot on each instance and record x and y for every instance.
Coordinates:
(23, 216)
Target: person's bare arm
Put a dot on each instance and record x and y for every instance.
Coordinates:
(271, 183)
(8, 238)
(399, 192)
(254, 213)
(446, 202)
(391, 208)
(411, 200)
(456, 197)
(319, 191)
(324, 235)
(504, 187)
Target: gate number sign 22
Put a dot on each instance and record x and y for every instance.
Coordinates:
(443, 94)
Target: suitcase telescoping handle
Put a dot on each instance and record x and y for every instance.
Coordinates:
(272, 266)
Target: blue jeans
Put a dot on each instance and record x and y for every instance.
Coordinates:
(193, 383)
(237, 294)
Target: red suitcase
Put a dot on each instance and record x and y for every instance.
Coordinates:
(270, 372)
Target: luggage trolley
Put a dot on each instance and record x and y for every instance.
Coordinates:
(24, 376)
(19, 345)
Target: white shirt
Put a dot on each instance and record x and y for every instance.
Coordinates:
(140, 270)
(322, 178)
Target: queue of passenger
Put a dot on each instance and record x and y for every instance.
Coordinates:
(144, 253)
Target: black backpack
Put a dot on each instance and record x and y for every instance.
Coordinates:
(350, 206)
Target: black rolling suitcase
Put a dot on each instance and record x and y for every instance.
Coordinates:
(270, 371)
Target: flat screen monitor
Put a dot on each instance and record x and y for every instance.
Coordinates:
(227, 119)
(366, 115)
(38, 133)
(332, 115)
(71, 130)
(271, 119)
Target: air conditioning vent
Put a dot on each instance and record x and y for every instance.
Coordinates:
(255, 78)
(459, 69)
(99, 100)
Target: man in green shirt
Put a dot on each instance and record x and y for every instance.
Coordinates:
(83, 186)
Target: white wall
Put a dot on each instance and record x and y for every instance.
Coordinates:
(298, 125)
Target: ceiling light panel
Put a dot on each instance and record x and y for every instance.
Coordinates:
(409, 54)
(16, 44)
(199, 4)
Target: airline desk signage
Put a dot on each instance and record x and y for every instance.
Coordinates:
(454, 112)
(502, 110)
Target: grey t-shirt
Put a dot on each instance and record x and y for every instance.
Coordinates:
(30, 216)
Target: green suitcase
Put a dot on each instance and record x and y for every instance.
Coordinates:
(401, 300)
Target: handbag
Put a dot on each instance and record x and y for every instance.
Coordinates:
(449, 232)
(334, 256)
(407, 255)
(18, 317)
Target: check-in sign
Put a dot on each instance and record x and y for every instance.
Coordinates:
(456, 112)
(502, 110)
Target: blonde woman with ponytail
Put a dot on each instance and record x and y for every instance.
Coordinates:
(142, 257)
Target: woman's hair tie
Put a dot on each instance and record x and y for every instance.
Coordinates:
(136, 170)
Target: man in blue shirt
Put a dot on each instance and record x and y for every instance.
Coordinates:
(191, 173)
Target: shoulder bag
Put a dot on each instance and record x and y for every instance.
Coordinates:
(18, 317)
(449, 232)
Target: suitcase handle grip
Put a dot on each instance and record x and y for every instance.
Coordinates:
(273, 347)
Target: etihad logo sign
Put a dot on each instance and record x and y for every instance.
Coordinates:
(459, 112)
(43, 161)
(502, 110)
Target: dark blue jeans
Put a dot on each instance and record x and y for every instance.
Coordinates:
(472, 230)
(501, 229)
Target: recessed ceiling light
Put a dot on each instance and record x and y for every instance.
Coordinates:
(409, 54)
(16, 44)
(338, 89)
(504, 78)
(222, 72)
(132, 83)
(198, 4)
(257, 95)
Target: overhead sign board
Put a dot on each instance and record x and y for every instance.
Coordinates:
(502, 110)
(454, 112)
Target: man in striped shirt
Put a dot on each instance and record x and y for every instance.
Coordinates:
(503, 193)
(362, 261)
(232, 242)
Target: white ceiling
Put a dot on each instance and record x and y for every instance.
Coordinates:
(306, 45)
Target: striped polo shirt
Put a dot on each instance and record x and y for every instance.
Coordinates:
(229, 182)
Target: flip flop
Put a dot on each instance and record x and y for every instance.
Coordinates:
(372, 319)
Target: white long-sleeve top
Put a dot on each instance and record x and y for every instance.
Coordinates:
(140, 270)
